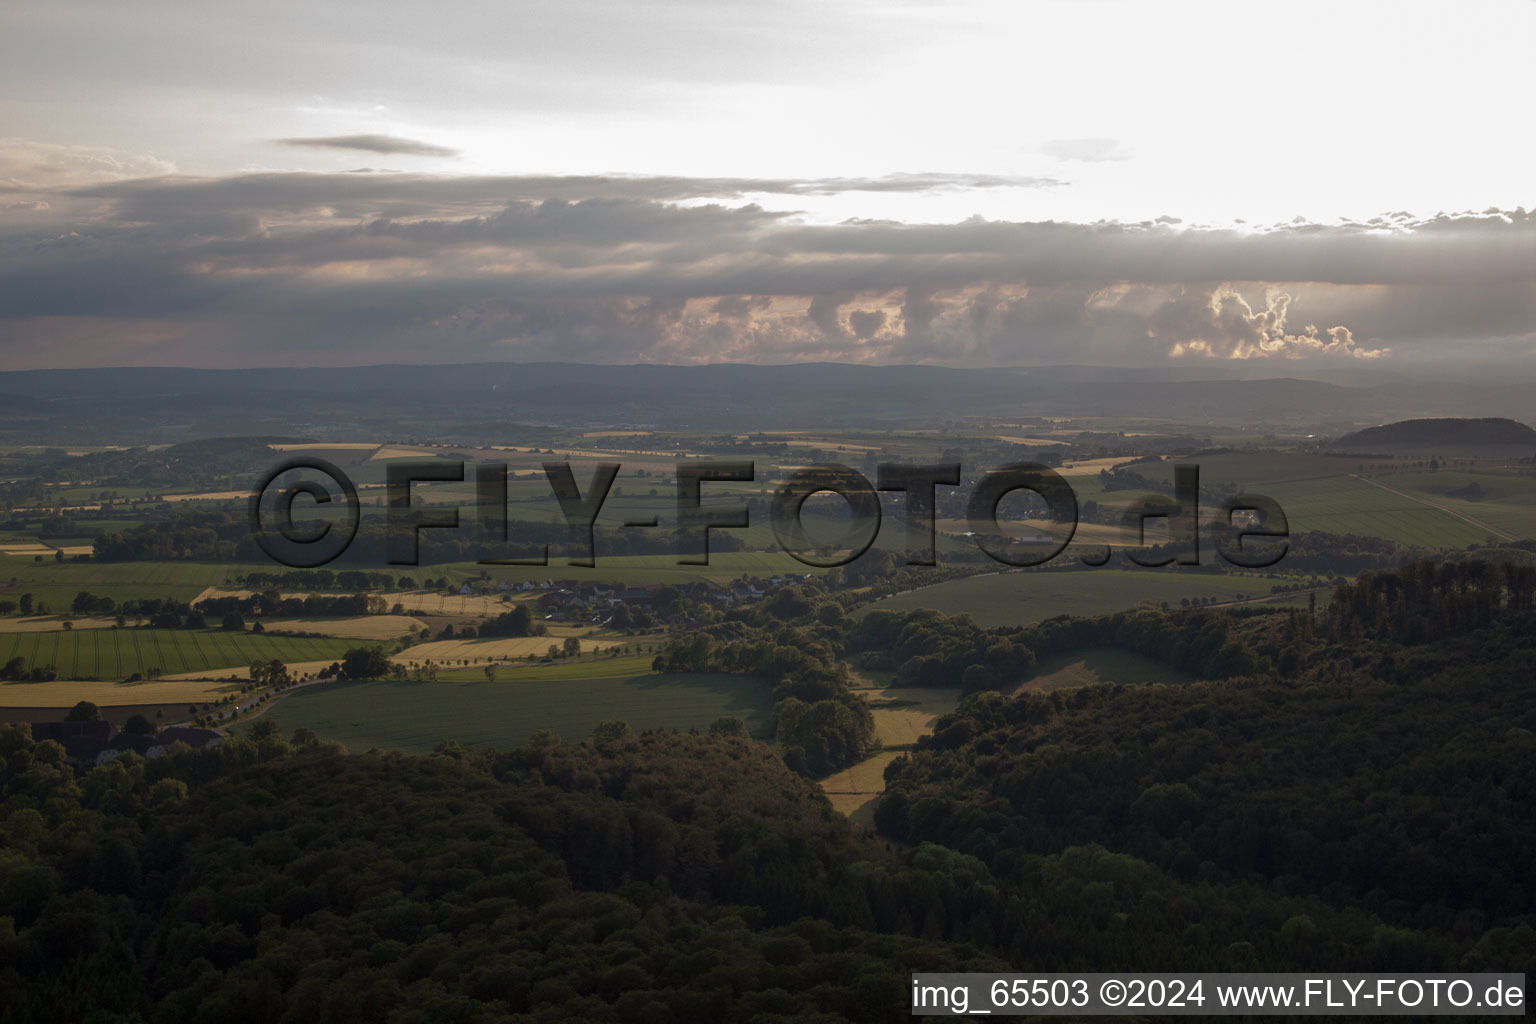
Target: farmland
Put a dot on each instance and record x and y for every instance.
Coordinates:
(414, 602)
(1323, 493)
(415, 717)
(66, 693)
(494, 649)
(119, 653)
(56, 583)
(637, 570)
(585, 668)
(359, 627)
(1019, 598)
(902, 714)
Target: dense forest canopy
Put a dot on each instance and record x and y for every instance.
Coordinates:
(1350, 791)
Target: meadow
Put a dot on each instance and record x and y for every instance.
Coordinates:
(1507, 505)
(585, 668)
(119, 653)
(415, 717)
(1020, 598)
(56, 583)
(1324, 493)
(903, 714)
(853, 791)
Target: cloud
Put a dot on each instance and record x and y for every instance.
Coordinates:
(1223, 324)
(284, 269)
(390, 144)
(28, 165)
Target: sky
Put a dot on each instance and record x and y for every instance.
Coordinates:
(1301, 188)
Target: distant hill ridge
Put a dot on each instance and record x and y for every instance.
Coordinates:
(1447, 431)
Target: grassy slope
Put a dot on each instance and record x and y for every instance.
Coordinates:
(1012, 599)
(416, 716)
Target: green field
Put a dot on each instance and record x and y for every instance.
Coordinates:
(1344, 504)
(118, 653)
(1019, 598)
(57, 583)
(630, 570)
(1321, 493)
(1507, 504)
(415, 717)
(585, 668)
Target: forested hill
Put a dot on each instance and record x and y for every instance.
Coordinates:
(1356, 797)
(1385, 766)
(1427, 434)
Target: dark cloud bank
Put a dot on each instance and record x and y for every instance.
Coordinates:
(299, 269)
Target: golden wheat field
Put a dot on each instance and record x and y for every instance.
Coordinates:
(444, 652)
(63, 694)
(44, 623)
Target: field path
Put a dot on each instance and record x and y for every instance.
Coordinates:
(1440, 508)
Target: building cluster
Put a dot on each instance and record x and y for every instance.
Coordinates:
(92, 743)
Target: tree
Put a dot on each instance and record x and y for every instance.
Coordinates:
(364, 663)
(234, 622)
(611, 730)
(543, 738)
(26, 604)
(84, 711)
(490, 673)
(269, 673)
(84, 603)
(729, 725)
(572, 647)
(138, 725)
